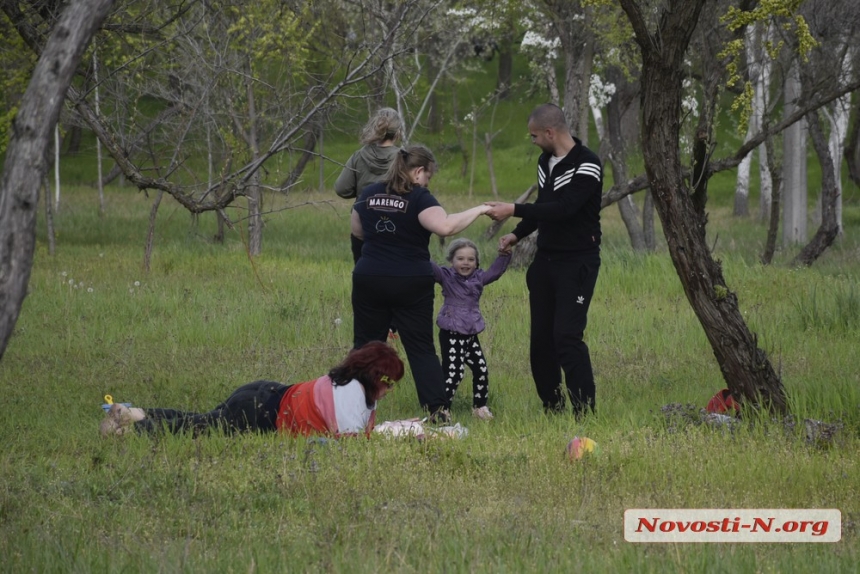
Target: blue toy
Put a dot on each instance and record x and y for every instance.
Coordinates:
(109, 401)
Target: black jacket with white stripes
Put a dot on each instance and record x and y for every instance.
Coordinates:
(566, 213)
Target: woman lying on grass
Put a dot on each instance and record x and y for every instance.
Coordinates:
(338, 404)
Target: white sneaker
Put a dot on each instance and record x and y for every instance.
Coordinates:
(482, 413)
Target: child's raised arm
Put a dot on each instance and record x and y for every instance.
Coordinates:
(499, 266)
(438, 273)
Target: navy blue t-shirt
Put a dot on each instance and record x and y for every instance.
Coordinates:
(395, 242)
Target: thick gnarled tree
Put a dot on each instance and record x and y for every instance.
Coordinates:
(745, 368)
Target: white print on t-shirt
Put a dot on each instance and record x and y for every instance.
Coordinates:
(350, 408)
(387, 203)
(385, 224)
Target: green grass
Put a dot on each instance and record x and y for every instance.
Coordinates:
(206, 318)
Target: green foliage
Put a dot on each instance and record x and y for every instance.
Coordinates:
(5, 124)
(612, 28)
(762, 14)
(264, 31)
(16, 63)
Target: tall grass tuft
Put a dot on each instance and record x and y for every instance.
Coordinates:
(839, 311)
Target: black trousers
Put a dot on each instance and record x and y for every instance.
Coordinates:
(356, 245)
(251, 407)
(378, 300)
(560, 293)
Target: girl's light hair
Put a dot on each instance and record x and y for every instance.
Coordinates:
(384, 125)
(399, 178)
(459, 244)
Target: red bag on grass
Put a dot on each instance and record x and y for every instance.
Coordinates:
(722, 402)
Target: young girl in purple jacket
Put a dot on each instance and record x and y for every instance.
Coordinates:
(460, 319)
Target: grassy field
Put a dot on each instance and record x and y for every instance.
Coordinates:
(206, 318)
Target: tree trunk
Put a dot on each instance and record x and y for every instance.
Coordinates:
(72, 141)
(614, 149)
(761, 101)
(150, 232)
(648, 222)
(758, 75)
(852, 145)
(255, 195)
(745, 368)
(49, 219)
(488, 147)
(838, 119)
(474, 152)
(630, 217)
(255, 217)
(57, 165)
(775, 170)
(434, 112)
(578, 66)
(219, 233)
(524, 252)
(829, 228)
(307, 155)
(742, 187)
(321, 140)
(572, 24)
(794, 168)
(506, 68)
(25, 164)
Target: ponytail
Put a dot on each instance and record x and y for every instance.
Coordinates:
(399, 178)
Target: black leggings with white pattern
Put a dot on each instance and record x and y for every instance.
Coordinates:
(459, 350)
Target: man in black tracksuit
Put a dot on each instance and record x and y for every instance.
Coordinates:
(562, 277)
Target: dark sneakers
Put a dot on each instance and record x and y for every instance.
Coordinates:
(440, 416)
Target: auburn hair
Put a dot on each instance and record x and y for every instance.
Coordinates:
(369, 365)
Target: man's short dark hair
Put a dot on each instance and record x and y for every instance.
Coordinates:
(549, 116)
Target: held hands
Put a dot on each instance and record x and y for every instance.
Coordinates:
(506, 243)
(499, 210)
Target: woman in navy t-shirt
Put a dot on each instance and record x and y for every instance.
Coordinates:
(393, 279)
